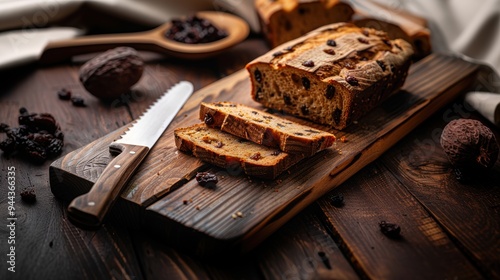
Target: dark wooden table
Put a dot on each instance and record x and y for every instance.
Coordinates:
(450, 230)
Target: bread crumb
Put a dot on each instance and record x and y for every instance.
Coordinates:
(185, 202)
(197, 207)
(239, 214)
(234, 216)
(343, 139)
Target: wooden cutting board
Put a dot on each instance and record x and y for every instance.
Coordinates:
(163, 198)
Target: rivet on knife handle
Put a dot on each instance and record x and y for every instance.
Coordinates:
(89, 210)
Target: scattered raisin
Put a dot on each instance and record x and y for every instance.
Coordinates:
(330, 92)
(28, 195)
(208, 119)
(3, 127)
(287, 99)
(308, 63)
(329, 51)
(363, 40)
(275, 153)
(64, 94)
(207, 179)
(306, 83)
(219, 144)
(78, 101)
(393, 68)
(381, 64)
(387, 42)
(398, 46)
(365, 32)
(38, 137)
(389, 229)
(55, 146)
(337, 200)
(336, 115)
(194, 30)
(256, 156)
(278, 53)
(258, 75)
(462, 176)
(352, 80)
(304, 109)
(299, 133)
(331, 43)
(325, 260)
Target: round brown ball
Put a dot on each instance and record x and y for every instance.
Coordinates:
(469, 144)
(112, 73)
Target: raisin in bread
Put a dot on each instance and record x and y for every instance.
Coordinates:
(264, 128)
(333, 75)
(233, 153)
(284, 20)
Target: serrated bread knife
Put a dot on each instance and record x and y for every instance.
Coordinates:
(89, 210)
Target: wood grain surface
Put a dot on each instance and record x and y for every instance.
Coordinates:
(442, 220)
(242, 211)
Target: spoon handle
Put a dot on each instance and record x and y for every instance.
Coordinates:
(58, 51)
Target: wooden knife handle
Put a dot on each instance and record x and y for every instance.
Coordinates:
(89, 210)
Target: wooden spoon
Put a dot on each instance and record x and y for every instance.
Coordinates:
(153, 40)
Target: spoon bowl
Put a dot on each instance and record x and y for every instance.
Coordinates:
(152, 40)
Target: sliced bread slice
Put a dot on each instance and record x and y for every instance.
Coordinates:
(264, 128)
(233, 153)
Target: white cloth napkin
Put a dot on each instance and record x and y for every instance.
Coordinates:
(468, 29)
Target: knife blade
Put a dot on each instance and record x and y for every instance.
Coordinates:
(89, 210)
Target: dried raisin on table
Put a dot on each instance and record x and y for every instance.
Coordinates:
(64, 94)
(38, 137)
(28, 195)
(78, 101)
(207, 179)
(390, 230)
(337, 200)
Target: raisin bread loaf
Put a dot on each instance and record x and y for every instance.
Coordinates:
(264, 128)
(284, 20)
(333, 75)
(233, 153)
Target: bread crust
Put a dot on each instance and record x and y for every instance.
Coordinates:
(264, 128)
(332, 75)
(284, 20)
